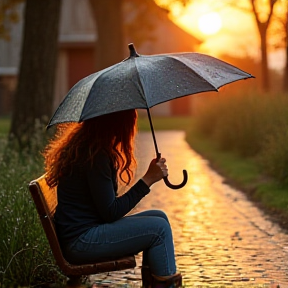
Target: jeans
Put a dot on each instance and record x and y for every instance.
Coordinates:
(148, 231)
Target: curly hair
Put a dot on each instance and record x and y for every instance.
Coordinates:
(78, 144)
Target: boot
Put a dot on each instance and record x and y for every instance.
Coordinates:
(175, 281)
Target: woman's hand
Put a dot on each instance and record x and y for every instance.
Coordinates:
(155, 172)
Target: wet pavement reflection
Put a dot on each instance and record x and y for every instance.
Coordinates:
(220, 238)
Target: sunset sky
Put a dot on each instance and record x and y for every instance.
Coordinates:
(223, 29)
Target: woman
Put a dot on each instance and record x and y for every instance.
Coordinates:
(86, 161)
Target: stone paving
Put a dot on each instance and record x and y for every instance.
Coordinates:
(220, 238)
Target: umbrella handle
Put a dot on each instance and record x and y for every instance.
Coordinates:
(165, 178)
(172, 186)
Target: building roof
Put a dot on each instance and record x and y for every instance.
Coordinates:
(76, 22)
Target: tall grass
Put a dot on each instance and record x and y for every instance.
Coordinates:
(252, 125)
(5, 123)
(25, 257)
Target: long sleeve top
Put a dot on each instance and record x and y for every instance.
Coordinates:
(88, 198)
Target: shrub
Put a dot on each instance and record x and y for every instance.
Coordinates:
(252, 125)
(273, 157)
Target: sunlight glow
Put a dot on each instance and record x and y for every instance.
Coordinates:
(222, 31)
(210, 23)
(236, 33)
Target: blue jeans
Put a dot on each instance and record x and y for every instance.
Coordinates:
(148, 231)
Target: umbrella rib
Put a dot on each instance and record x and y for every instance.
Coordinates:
(104, 71)
(205, 80)
(217, 87)
(140, 83)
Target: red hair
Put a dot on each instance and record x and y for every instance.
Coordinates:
(79, 143)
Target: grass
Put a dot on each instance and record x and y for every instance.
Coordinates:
(25, 256)
(4, 126)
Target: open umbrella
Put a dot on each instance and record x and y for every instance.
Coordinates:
(141, 82)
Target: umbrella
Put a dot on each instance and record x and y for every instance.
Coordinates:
(143, 81)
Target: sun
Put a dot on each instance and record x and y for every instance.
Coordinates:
(210, 23)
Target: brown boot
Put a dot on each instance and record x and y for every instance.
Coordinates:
(174, 281)
(146, 277)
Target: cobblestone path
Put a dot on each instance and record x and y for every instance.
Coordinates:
(220, 238)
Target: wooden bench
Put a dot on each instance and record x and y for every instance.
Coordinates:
(45, 199)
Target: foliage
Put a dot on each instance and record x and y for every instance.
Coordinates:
(25, 257)
(273, 157)
(8, 16)
(4, 126)
(253, 126)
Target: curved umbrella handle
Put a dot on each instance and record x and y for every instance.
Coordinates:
(172, 186)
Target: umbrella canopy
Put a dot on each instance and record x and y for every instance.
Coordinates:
(141, 82)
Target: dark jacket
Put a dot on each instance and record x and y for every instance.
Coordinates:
(87, 198)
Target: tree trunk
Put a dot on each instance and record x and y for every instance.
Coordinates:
(262, 29)
(35, 90)
(285, 74)
(109, 46)
(264, 61)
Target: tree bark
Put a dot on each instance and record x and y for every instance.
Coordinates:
(109, 46)
(264, 60)
(285, 75)
(35, 90)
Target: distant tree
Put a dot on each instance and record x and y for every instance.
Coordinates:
(262, 12)
(279, 35)
(109, 44)
(285, 76)
(35, 90)
(262, 26)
